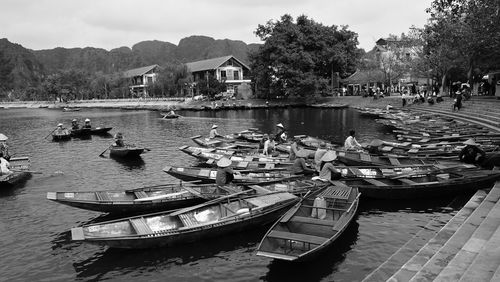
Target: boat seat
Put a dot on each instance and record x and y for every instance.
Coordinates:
(336, 192)
(140, 194)
(375, 182)
(103, 196)
(248, 158)
(387, 148)
(394, 161)
(365, 157)
(356, 171)
(413, 151)
(188, 219)
(407, 181)
(204, 172)
(242, 164)
(312, 220)
(269, 166)
(311, 239)
(140, 226)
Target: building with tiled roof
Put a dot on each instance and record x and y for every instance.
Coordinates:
(140, 78)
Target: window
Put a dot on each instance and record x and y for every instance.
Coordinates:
(223, 74)
(150, 80)
(236, 75)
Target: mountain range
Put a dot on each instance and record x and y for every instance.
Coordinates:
(20, 66)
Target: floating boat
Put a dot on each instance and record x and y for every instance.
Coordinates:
(100, 130)
(125, 152)
(223, 142)
(354, 158)
(219, 152)
(396, 171)
(222, 216)
(434, 184)
(61, 136)
(313, 142)
(167, 196)
(207, 175)
(312, 225)
(67, 109)
(170, 116)
(81, 132)
(20, 167)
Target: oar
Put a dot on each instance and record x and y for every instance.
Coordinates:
(101, 154)
(30, 171)
(50, 133)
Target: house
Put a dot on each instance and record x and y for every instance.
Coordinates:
(228, 70)
(140, 78)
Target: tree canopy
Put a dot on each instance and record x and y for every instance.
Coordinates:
(300, 57)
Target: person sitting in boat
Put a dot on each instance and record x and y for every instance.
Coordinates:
(4, 148)
(319, 154)
(270, 147)
(60, 129)
(224, 173)
(351, 144)
(281, 136)
(294, 148)
(213, 132)
(265, 137)
(119, 140)
(327, 169)
(388, 107)
(4, 167)
(299, 166)
(471, 153)
(87, 124)
(74, 124)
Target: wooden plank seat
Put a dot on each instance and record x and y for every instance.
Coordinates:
(375, 182)
(394, 161)
(312, 220)
(140, 194)
(140, 226)
(311, 239)
(336, 192)
(204, 172)
(365, 157)
(356, 171)
(269, 166)
(103, 196)
(188, 219)
(242, 164)
(248, 158)
(407, 181)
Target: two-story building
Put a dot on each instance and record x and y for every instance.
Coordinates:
(228, 70)
(140, 78)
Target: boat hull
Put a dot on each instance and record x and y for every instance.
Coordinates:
(126, 152)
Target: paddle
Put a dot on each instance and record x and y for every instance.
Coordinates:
(101, 154)
(50, 133)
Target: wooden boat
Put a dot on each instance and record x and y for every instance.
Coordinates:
(207, 175)
(67, 109)
(222, 142)
(20, 168)
(312, 225)
(206, 154)
(125, 152)
(61, 136)
(170, 116)
(167, 196)
(81, 132)
(252, 162)
(434, 184)
(354, 158)
(313, 142)
(215, 218)
(100, 130)
(396, 171)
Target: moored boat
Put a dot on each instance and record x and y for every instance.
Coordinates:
(126, 151)
(70, 109)
(63, 135)
(100, 130)
(354, 158)
(223, 142)
(20, 172)
(169, 116)
(312, 225)
(215, 218)
(81, 132)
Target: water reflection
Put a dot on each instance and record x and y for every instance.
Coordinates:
(319, 267)
(130, 163)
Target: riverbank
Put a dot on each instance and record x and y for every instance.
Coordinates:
(181, 104)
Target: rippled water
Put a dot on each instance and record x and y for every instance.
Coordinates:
(35, 235)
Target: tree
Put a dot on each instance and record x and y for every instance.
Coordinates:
(299, 58)
(211, 86)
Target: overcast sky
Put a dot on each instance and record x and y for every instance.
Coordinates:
(108, 24)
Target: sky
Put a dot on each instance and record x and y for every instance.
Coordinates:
(108, 24)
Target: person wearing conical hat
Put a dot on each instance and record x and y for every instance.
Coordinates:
(327, 169)
(4, 148)
(471, 153)
(119, 140)
(299, 166)
(59, 129)
(224, 174)
(74, 124)
(213, 132)
(281, 136)
(87, 124)
(319, 154)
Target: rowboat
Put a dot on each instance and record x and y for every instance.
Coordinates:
(222, 142)
(67, 109)
(207, 175)
(312, 225)
(313, 142)
(167, 196)
(396, 171)
(141, 200)
(100, 130)
(254, 162)
(219, 152)
(125, 152)
(435, 184)
(170, 116)
(61, 136)
(20, 168)
(215, 218)
(363, 159)
(81, 132)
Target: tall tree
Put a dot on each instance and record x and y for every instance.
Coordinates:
(299, 58)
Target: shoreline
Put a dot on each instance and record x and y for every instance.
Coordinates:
(165, 105)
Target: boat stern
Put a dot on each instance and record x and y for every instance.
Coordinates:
(77, 234)
(52, 196)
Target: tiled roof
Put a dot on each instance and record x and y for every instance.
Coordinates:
(139, 71)
(211, 64)
(363, 76)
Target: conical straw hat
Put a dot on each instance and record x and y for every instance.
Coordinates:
(223, 162)
(3, 137)
(329, 156)
(470, 142)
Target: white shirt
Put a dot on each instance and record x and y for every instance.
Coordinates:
(213, 133)
(269, 144)
(4, 166)
(351, 143)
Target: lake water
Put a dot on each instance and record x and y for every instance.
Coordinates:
(35, 236)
